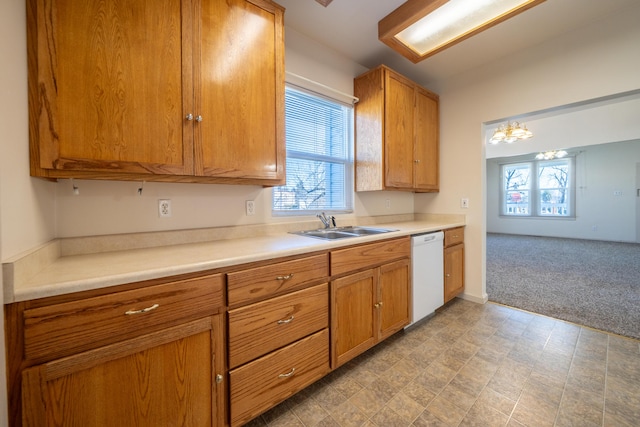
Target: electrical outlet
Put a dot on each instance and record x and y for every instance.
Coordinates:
(164, 208)
(387, 203)
(464, 203)
(250, 207)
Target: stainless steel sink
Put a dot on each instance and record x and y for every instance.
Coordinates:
(342, 232)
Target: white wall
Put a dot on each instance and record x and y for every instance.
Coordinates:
(601, 170)
(27, 205)
(596, 61)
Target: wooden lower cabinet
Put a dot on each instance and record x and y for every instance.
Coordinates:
(453, 263)
(265, 382)
(367, 307)
(142, 354)
(162, 378)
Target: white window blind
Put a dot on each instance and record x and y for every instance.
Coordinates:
(319, 166)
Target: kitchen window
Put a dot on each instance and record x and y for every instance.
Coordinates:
(319, 137)
(541, 189)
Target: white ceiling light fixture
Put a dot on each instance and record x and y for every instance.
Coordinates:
(421, 28)
(551, 154)
(511, 132)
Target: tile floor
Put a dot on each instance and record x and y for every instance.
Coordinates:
(478, 365)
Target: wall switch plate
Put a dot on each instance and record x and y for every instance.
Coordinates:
(464, 203)
(250, 207)
(164, 208)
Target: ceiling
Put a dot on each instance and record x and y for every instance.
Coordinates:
(351, 28)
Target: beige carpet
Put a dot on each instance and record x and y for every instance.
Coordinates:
(591, 283)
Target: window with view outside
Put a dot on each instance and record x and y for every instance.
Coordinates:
(318, 141)
(538, 188)
(516, 178)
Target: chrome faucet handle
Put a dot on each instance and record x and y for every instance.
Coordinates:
(324, 219)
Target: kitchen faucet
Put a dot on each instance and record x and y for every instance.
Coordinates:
(327, 220)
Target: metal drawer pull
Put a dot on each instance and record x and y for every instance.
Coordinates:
(288, 374)
(280, 322)
(287, 277)
(144, 310)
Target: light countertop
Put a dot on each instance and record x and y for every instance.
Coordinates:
(47, 272)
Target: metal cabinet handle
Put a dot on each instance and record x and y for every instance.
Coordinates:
(287, 277)
(219, 378)
(378, 304)
(198, 118)
(280, 322)
(144, 310)
(288, 374)
(189, 117)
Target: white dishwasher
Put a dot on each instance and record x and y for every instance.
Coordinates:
(427, 274)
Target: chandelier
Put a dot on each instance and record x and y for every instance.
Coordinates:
(511, 132)
(551, 154)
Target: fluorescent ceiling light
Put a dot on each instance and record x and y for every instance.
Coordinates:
(421, 28)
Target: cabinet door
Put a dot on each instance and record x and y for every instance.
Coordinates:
(394, 298)
(453, 271)
(426, 174)
(353, 319)
(106, 88)
(164, 378)
(399, 129)
(240, 90)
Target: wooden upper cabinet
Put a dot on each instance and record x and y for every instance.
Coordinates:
(397, 134)
(241, 93)
(171, 90)
(427, 145)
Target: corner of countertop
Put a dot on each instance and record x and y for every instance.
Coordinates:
(22, 267)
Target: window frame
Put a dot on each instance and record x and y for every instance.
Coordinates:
(347, 161)
(535, 191)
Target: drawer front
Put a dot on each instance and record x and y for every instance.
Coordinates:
(355, 258)
(267, 381)
(262, 327)
(263, 282)
(453, 236)
(62, 329)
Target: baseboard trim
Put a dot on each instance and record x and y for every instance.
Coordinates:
(473, 298)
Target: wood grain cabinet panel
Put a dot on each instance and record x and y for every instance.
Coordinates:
(368, 306)
(353, 318)
(260, 328)
(171, 90)
(254, 284)
(241, 89)
(147, 356)
(453, 263)
(61, 329)
(261, 384)
(394, 297)
(363, 256)
(397, 133)
(163, 378)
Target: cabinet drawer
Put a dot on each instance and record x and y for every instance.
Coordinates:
(263, 282)
(262, 327)
(61, 329)
(453, 236)
(355, 258)
(265, 382)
